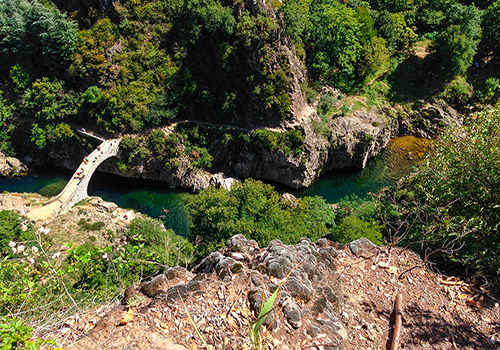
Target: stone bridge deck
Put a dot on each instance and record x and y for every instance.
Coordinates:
(76, 188)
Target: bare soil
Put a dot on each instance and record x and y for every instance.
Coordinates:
(439, 312)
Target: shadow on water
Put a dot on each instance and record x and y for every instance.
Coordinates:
(163, 202)
(394, 162)
(47, 181)
(149, 197)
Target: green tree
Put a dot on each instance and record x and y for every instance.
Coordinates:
(453, 51)
(455, 46)
(491, 28)
(255, 210)
(48, 100)
(332, 42)
(5, 116)
(454, 199)
(35, 33)
(394, 29)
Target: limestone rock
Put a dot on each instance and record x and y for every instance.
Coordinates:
(11, 166)
(362, 245)
(8, 202)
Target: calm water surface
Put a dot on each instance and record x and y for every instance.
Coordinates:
(152, 197)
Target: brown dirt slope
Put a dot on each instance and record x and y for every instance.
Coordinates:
(333, 299)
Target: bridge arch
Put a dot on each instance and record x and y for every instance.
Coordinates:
(77, 187)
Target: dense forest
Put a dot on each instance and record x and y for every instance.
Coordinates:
(129, 67)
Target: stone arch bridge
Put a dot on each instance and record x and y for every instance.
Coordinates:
(76, 189)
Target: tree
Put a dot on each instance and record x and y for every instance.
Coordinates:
(453, 51)
(455, 46)
(255, 210)
(48, 100)
(5, 116)
(393, 28)
(491, 28)
(455, 196)
(333, 44)
(36, 33)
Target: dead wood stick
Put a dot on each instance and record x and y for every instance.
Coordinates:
(398, 312)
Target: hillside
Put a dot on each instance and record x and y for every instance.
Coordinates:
(334, 300)
(251, 89)
(335, 297)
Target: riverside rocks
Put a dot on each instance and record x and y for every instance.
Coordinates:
(310, 304)
(10, 166)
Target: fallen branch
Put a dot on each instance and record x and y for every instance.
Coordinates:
(398, 312)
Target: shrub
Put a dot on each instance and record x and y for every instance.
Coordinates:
(48, 100)
(455, 196)
(353, 227)
(457, 91)
(258, 212)
(19, 77)
(11, 230)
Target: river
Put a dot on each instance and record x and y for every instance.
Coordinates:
(152, 197)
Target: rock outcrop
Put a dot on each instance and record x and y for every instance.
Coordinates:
(10, 166)
(311, 303)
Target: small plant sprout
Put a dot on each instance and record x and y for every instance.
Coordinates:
(254, 326)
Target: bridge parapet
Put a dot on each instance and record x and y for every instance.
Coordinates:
(77, 187)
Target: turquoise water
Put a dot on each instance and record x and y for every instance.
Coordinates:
(46, 181)
(148, 197)
(152, 197)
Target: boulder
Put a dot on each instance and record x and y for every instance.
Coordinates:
(10, 166)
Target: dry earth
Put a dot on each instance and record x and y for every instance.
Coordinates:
(439, 312)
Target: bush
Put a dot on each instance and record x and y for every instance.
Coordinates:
(11, 230)
(258, 212)
(457, 91)
(455, 196)
(353, 227)
(19, 77)
(48, 100)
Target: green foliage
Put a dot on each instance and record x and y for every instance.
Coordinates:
(491, 86)
(457, 91)
(333, 42)
(38, 136)
(48, 100)
(6, 110)
(357, 218)
(164, 245)
(20, 77)
(40, 37)
(455, 51)
(255, 210)
(148, 248)
(10, 230)
(18, 280)
(351, 228)
(394, 29)
(326, 105)
(14, 334)
(455, 46)
(456, 196)
(289, 142)
(128, 143)
(91, 95)
(50, 133)
(87, 226)
(491, 28)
